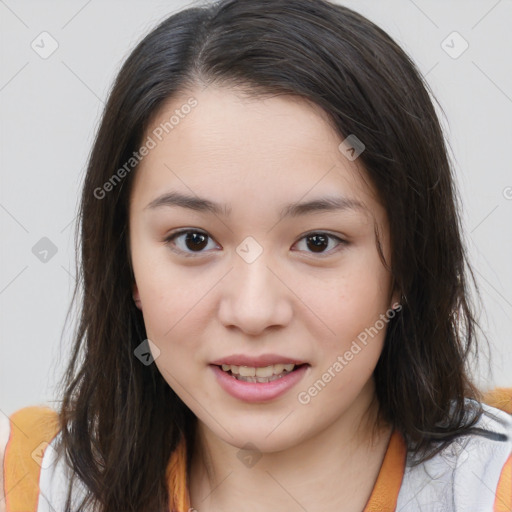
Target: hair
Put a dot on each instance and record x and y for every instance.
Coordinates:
(120, 420)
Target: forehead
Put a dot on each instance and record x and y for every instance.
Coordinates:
(230, 146)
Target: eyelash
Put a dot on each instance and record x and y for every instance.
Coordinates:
(169, 241)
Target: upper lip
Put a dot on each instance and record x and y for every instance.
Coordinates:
(262, 360)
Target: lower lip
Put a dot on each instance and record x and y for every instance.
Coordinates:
(258, 391)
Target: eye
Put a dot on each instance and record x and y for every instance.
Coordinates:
(190, 241)
(319, 241)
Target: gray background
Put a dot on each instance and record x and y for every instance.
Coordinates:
(50, 109)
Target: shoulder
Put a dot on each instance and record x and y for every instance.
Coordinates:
(472, 473)
(25, 439)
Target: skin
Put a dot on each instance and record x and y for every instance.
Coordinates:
(257, 155)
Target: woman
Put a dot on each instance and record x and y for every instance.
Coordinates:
(275, 305)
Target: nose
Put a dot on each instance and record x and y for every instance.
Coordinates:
(255, 297)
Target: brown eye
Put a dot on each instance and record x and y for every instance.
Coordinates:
(187, 242)
(320, 243)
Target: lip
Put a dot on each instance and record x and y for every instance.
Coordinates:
(258, 391)
(258, 361)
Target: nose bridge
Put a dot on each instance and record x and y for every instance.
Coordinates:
(254, 297)
(253, 279)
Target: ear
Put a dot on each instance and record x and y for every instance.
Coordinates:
(136, 296)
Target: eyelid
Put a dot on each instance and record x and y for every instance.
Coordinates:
(183, 231)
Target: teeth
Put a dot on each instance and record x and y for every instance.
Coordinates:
(247, 371)
(259, 379)
(261, 372)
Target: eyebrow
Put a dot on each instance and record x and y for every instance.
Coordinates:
(199, 204)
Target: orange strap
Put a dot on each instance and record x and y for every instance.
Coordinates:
(179, 499)
(385, 492)
(32, 429)
(501, 398)
(503, 501)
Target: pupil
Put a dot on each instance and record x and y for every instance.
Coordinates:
(319, 242)
(197, 239)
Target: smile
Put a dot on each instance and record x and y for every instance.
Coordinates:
(253, 387)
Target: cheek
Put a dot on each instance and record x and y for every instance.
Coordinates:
(352, 301)
(167, 291)
(172, 313)
(170, 305)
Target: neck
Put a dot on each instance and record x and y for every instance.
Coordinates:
(334, 469)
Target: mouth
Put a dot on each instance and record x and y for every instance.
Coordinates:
(260, 374)
(256, 387)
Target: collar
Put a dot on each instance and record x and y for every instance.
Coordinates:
(383, 497)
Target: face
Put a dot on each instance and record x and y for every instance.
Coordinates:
(273, 259)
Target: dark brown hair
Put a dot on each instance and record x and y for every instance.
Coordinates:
(120, 420)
